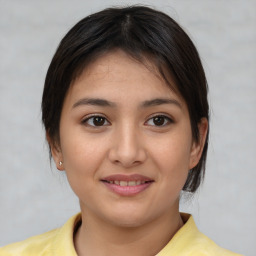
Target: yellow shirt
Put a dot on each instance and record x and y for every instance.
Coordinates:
(188, 241)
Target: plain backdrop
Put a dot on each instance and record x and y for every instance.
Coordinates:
(35, 198)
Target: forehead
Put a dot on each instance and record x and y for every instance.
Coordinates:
(117, 68)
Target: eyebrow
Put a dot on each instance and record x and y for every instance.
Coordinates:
(94, 102)
(160, 101)
(144, 104)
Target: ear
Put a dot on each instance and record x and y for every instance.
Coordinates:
(56, 153)
(198, 146)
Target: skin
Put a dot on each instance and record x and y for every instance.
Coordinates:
(127, 141)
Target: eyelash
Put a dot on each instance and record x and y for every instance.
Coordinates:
(93, 117)
(167, 120)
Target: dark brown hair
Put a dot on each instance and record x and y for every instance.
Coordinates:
(143, 33)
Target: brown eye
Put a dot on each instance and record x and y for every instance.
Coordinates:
(159, 120)
(95, 121)
(98, 121)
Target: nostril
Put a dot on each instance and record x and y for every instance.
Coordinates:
(127, 154)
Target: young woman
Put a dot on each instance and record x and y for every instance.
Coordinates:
(126, 117)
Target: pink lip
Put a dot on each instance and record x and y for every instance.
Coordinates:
(127, 190)
(123, 177)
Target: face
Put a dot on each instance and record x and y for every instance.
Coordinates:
(125, 142)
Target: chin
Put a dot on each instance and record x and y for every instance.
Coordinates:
(128, 222)
(129, 219)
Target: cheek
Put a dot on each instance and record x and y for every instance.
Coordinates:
(82, 156)
(80, 147)
(81, 163)
(172, 156)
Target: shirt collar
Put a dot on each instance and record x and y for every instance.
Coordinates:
(63, 242)
(64, 245)
(183, 238)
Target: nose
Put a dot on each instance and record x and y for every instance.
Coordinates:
(127, 148)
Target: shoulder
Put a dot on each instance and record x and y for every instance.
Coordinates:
(189, 241)
(36, 245)
(56, 242)
(204, 246)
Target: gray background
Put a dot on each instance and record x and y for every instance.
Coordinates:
(35, 199)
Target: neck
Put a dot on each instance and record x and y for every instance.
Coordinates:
(96, 237)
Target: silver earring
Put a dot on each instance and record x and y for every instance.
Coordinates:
(60, 163)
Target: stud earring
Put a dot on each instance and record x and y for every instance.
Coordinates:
(60, 163)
